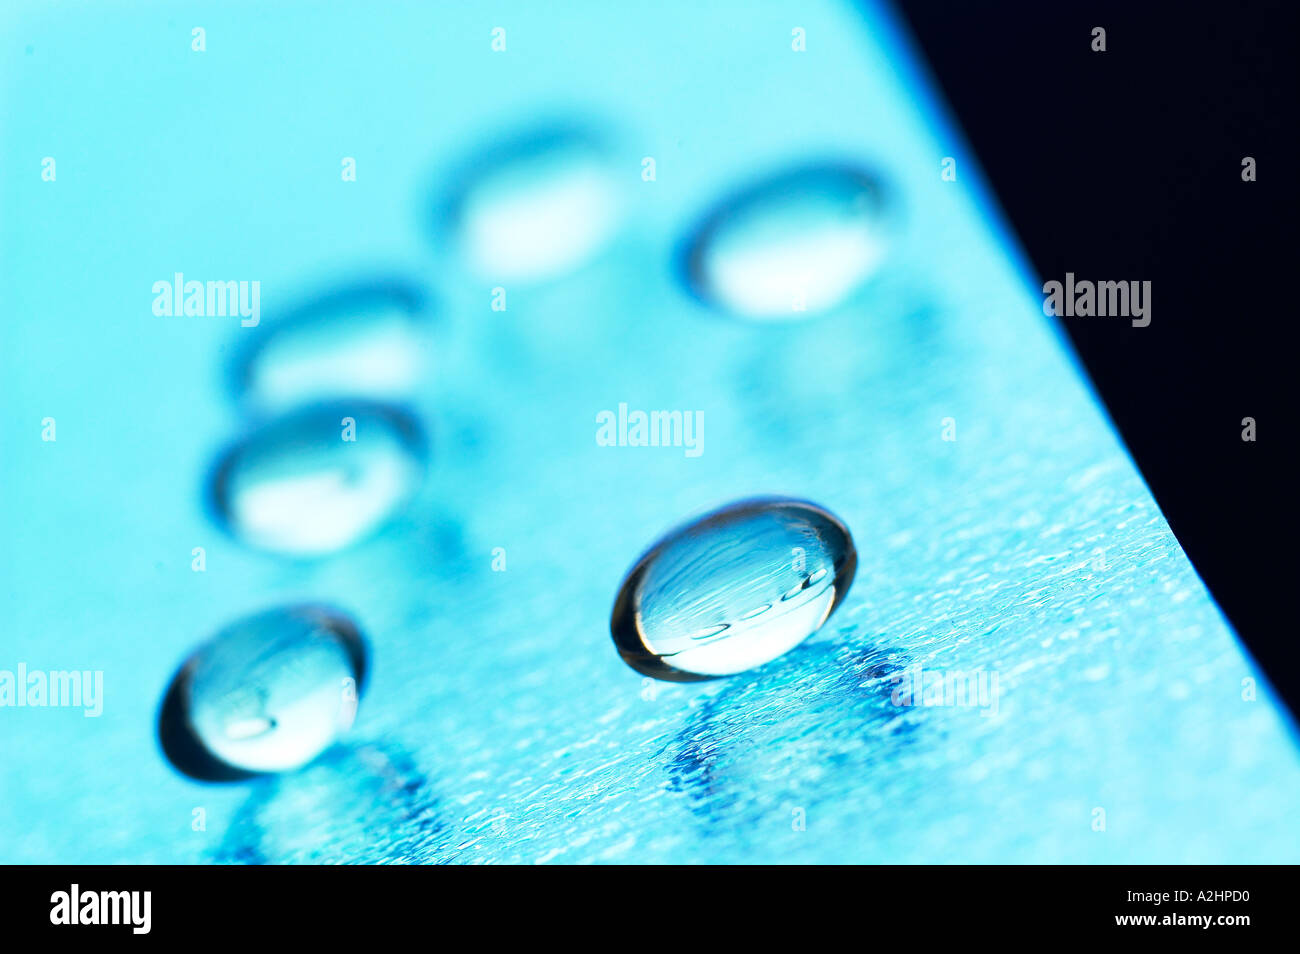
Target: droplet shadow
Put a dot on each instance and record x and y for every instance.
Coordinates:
(774, 737)
(360, 803)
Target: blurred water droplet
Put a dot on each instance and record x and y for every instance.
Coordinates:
(298, 487)
(363, 341)
(268, 693)
(791, 246)
(541, 209)
(733, 590)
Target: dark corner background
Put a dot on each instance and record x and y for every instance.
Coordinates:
(1126, 165)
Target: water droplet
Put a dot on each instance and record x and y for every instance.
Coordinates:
(542, 210)
(733, 590)
(298, 487)
(267, 694)
(791, 246)
(362, 341)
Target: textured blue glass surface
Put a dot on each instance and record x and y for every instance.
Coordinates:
(499, 723)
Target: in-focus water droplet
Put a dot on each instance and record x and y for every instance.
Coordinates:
(539, 208)
(299, 487)
(366, 341)
(268, 693)
(733, 590)
(791, 246)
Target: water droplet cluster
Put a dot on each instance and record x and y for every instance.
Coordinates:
(331, 456)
